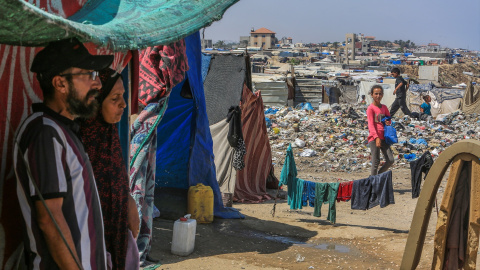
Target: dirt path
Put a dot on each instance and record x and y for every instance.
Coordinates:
(294, 239)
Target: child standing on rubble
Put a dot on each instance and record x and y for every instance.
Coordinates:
(376, 139)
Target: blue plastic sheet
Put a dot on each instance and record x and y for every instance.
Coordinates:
(184, 139)
(418, 141)
(307, 106)
(268, 122)
(410, 157)
(271, 111)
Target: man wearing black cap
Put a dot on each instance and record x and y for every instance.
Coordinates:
(48, 154)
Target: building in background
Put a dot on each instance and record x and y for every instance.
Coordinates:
(350, 40)
(286, 41)
(244, 40)
(207, 43)
(363, 45)
(263, 38)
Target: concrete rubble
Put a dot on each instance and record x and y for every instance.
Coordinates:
(335, 139)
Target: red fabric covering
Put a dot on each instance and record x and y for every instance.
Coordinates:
(18, 90)
(251, 181)
(134, 83)
(161, 67)
(344, 191)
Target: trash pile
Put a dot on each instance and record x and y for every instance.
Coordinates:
(334, 137)
(449, 74)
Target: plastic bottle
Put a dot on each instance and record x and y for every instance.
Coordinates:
(183, 240)
(200, 203)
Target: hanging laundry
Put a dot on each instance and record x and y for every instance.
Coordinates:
(344, 191)
(372, 191)
(417, 167)
(295, 201)
(308, 197)
(326, 193)
(289, 173)
(235, 137)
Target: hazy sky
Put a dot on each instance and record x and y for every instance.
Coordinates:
(450, 23)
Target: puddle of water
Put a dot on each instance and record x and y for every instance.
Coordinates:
(292, 241)
(285, 240)
(339, 248)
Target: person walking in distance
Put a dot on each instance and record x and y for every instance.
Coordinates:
(400, 93)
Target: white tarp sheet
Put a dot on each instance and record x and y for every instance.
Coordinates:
(364, 89)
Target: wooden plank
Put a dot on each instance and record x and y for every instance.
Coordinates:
(474, 219)
(440, 238)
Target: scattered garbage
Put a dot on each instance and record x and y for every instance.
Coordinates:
(298, 143)
(334, 138)
(308, 153)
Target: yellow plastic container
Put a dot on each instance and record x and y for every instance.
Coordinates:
(200, 203)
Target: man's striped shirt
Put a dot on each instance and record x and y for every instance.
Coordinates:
(47, 144)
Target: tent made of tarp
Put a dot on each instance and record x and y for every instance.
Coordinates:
(444, 100)
(114, 25)
(226, 85)
(119, 25)
(471, 99)
(184, 145)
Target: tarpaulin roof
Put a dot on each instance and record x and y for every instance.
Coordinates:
(119, 25)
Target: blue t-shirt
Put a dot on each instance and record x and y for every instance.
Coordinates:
(426, 108)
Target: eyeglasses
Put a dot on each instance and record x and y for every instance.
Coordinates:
(93, 74)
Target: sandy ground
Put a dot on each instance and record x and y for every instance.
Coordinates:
(295, 239)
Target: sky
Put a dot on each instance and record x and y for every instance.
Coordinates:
(449, 23)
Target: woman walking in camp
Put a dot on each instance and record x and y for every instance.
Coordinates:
(102, 143)
(376, 139)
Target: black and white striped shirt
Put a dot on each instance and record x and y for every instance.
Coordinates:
(47, 143)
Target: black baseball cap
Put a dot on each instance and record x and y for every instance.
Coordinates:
(60, 55)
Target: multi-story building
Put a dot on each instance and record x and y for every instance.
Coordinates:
(207, 43)
(350, 40)
(262, 38)
(363, 43)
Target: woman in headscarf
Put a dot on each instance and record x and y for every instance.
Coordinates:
(102, 143)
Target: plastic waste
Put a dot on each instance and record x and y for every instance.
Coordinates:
(183, 240)
(323, 107)
(339, 137)
(268, 122)
(271, 111)
(410, 157)
(298, 143)
(307, 106)
(308, 153)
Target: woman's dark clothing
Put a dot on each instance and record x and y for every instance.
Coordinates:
(102, 143)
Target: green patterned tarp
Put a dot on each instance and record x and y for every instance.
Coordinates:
(119, 25)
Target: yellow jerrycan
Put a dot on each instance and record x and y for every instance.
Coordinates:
(200, 203)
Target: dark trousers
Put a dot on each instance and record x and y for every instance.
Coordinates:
(400, 103)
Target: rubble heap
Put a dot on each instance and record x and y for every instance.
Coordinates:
(334, 139)
(449, 74)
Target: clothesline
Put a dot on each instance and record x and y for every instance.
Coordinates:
(364, 193)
